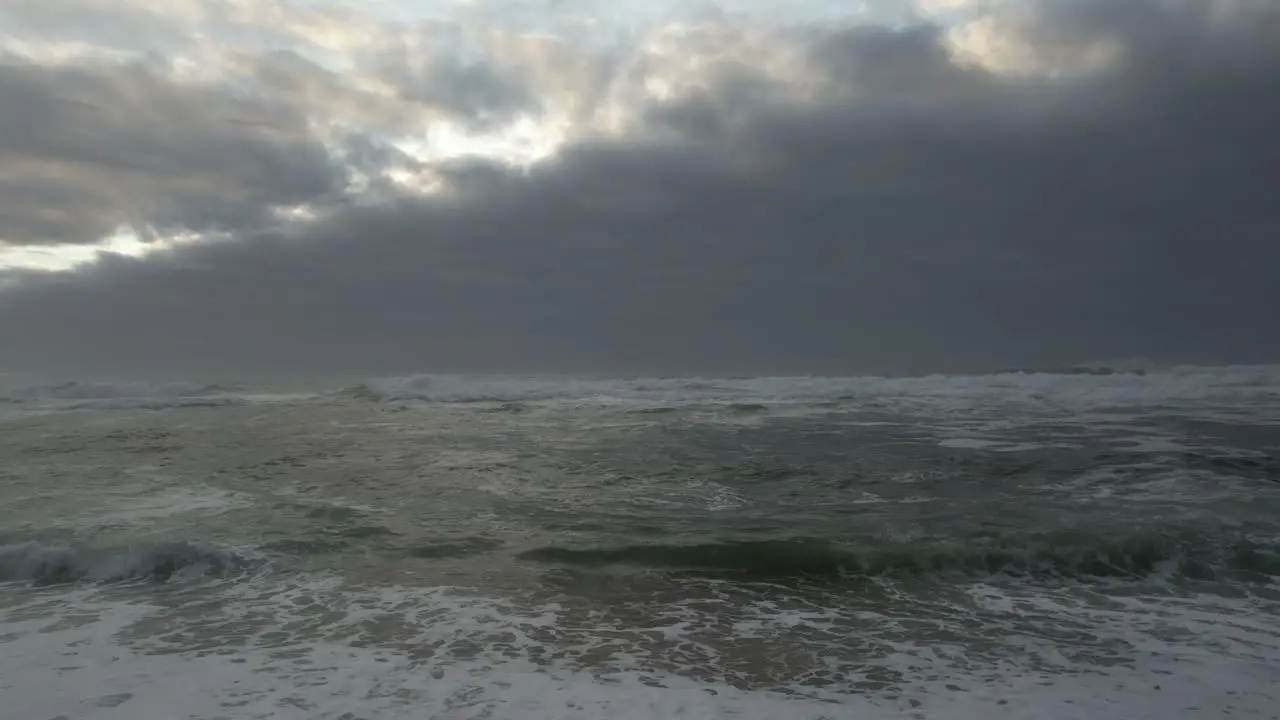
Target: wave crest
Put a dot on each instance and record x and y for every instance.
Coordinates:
(44, 564)
(1066, 557)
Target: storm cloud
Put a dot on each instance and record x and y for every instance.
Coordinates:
(1038, 183)
(89, 149)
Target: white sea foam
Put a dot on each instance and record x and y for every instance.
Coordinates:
(717, 497)
(144, 507)
(969, 443)
(105, 682)
(436, 653)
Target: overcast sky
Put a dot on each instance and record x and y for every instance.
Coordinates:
(262, 187)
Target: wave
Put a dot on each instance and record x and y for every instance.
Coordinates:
(496, 389)
(44, 564)
(362, 391)
(121, 395)
(1072, 370)
(464, 547)
(102, 390)
(1126, 366)
(1106, 385)
(1065, 556)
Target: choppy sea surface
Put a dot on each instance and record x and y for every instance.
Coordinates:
(1025, 545)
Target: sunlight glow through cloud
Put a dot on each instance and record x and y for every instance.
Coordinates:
(503, 81)
(123, 241)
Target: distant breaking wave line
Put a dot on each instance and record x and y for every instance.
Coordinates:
(1101, 384)
(75, 390)
(121, 395)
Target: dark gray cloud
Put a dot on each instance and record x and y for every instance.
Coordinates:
(85, 149)
(925, 215)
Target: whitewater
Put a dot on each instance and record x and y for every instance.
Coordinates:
(1058, 544)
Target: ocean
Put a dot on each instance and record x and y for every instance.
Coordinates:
(1015, 545)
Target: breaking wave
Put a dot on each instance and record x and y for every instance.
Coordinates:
(44, 564)
(1073, 385)
(1080, 557)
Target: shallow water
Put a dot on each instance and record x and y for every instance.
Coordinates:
(1002, 546)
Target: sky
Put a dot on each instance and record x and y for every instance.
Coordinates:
(286, 188)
